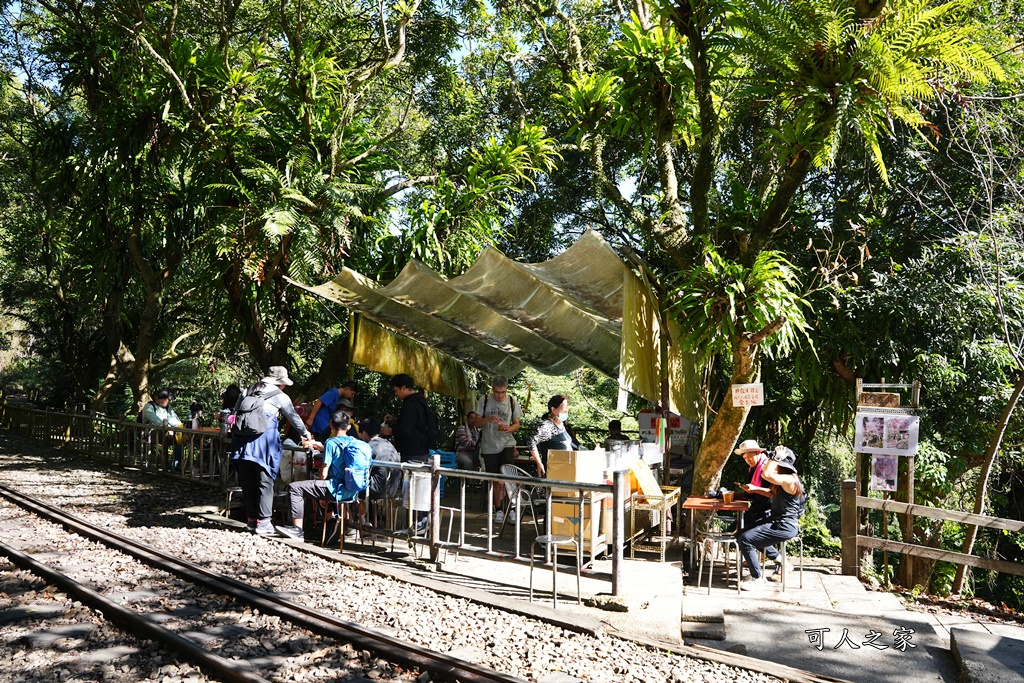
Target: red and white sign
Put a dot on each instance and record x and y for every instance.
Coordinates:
(746, 395)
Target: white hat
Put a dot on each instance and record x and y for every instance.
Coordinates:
(278, 376)
(748, 446)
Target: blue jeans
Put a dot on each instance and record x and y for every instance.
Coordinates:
(765, 537)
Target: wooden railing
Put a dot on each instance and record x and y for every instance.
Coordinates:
(854, 542)
(128, 444)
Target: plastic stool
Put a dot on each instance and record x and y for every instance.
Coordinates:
(231, 490)
(555, 540)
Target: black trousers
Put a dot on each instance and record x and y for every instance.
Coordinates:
(257, 490)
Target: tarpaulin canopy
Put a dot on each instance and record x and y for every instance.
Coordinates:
(583, 307)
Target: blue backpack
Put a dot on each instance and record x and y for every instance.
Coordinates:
(350, 472)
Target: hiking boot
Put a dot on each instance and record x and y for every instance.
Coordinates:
(291, 531)
(264, 528)
(753, 584)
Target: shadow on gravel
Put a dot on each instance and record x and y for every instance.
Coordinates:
(143, 498)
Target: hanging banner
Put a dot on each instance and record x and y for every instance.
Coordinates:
(746, 395)
(883, 472)
(886, 434)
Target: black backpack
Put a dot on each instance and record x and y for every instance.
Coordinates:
(250, 420)
(433, 435)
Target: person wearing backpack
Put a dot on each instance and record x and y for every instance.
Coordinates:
(498, 417)
(345, 474)
(256, 444)
(413, 429)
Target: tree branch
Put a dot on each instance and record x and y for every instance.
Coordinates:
(769, 329)
(398, 55)
(170, 72)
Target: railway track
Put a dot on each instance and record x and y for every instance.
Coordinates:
(410, 656)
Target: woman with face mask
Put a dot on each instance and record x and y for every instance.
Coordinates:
(551, 433)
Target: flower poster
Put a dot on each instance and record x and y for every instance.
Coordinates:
(886, 434)
(883, 472)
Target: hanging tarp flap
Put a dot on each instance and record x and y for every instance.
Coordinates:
(640, 354)
(425, 290)
(583, 307)
(684, 380)
(383, 351)
(359, 292)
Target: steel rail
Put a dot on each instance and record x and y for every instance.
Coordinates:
(392, 649)
(135, 623)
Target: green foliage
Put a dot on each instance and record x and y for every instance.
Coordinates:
(831, 74)
(722, 299)
(461, 215)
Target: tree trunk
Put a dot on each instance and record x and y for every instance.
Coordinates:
(728, 424)
(110, 382)
(986, 468)
(332, 370)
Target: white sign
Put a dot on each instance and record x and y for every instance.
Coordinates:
(650, 428)
(745, 395)
(886, 434)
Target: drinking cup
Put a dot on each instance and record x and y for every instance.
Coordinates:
(727, 497)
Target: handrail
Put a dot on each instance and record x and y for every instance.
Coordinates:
(204, 459)
(853, 540)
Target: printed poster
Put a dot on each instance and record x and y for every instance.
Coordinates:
(886, 434)
(883, 472)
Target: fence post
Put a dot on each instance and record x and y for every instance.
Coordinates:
(618, 527)
(435, 507)
(848, 528)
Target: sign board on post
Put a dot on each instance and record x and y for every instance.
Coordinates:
(746, 395)
(886, 433)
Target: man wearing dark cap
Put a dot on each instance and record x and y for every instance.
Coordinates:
(319, 418)
(160, 413)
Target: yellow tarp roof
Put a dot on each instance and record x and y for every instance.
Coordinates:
(583, 307)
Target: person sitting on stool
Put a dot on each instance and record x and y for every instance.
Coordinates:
(321, 487)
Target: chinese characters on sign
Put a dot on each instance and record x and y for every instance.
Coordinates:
(651, 428)
(886, 434)
(746, 395)
(901, 639)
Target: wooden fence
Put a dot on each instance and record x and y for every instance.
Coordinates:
(203, 456)
(854, 543)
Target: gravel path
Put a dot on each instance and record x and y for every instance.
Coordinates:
(150, 509)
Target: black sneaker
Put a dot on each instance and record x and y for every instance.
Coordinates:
(290, 531)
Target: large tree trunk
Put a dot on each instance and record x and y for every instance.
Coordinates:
(981, 492)
(721, 437)
(728, 424)
(110, 382)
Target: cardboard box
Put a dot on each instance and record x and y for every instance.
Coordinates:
(565, 519)
(580, 466)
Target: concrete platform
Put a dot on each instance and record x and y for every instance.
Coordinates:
(797, 634)
(804, 628)
(987, 657)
